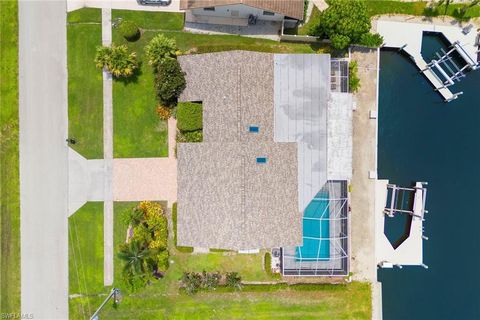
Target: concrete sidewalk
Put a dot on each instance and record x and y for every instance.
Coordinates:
(107, 155)
(43, 159)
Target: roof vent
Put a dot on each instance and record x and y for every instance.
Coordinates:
(261, 160)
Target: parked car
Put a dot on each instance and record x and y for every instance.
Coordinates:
(154, 2)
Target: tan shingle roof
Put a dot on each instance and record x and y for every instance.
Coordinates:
(225, 199)
(289, 8)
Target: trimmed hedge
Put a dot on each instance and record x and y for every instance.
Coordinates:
(190, 136)
(129, 30)
(189, 116)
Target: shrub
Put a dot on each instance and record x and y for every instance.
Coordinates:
(160, 48)
(162, 261)
(129, 30)
(373, 40)
(339, 41)
(267, 261)
(190, 136)
(133, 217)
(116, 60)
(344, 22)
(169, 82)
(210, 280)
(233, 280)
(192, 282)
(164, 112)
(353, 79)
(189, 116)
(146, 253)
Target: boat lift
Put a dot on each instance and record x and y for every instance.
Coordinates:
(446, 66)
(397, 199)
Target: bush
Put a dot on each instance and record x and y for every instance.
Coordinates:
(147, 252)
(133, 217)
(116, 60)
(190, 136)
(210, 280)
(233, 280)
(353, 79)
(160, 48)
(164, 112)
(344, 22)
(189, 116)
(192, 282)
(169, 82)
(162, 261)
(373, 40)
(129, 30)
(339, 41)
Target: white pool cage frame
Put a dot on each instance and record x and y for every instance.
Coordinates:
(338, 262)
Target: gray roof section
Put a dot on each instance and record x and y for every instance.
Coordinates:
(339, 146)
(301, 94)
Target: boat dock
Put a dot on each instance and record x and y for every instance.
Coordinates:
(410, 251)
(408, 36)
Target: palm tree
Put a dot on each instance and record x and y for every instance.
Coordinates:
(117, 60)
(135, 257)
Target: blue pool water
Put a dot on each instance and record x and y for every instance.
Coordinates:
(316, 230)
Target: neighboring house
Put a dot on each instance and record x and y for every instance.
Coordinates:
(237, 12)
(273, 167)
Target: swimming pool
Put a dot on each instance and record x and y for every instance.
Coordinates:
(316, 230)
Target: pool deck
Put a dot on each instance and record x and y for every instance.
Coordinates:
(362, 223)
(410, 41)
(362, 202)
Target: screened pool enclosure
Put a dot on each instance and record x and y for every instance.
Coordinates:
(325, 236)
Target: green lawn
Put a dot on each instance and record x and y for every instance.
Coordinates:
(138, 131)
(377, 7)
(85, 15)
(164, 300)
(303, 302)
(85, 91)
(151, 20)
(312, 21)
(417, 8)
(201, 43)
(9, 171)
(86, 249)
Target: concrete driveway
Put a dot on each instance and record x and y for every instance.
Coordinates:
(43, 159)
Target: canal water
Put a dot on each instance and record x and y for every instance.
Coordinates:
(421, 138)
